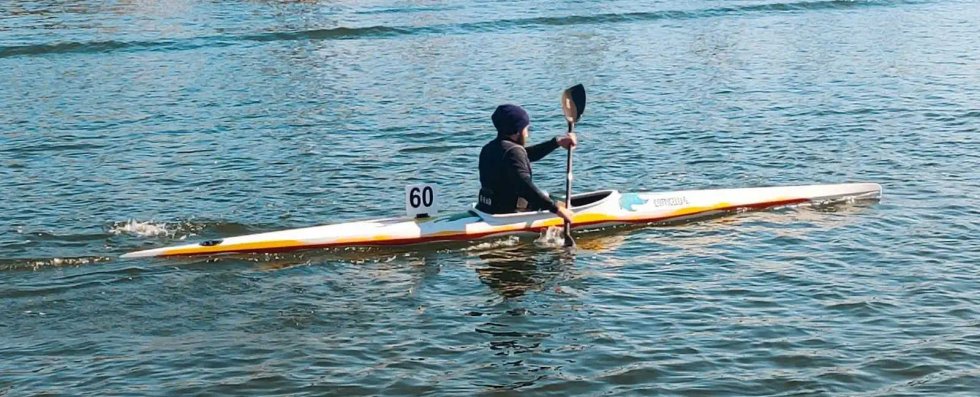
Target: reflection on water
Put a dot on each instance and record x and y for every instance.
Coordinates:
(515, 271)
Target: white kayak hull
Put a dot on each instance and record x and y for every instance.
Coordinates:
(592, 210)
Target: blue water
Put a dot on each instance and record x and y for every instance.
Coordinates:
(135, 125)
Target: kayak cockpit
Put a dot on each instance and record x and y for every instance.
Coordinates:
(580, 202)
(590, 199)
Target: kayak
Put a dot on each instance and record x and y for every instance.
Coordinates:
(591, 211)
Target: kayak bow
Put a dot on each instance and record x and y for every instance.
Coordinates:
(592, 210)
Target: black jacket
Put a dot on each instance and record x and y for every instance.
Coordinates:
(505, 176)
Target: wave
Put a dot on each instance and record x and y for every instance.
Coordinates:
(140, 228)
(179, 229)
(34, 264)
(376, 32)
(493, 244)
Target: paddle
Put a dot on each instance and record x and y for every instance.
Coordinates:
(573, 104)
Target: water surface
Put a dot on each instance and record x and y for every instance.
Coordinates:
(133, 125)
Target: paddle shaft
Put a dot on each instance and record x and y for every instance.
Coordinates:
(568, 188)
(572, 104)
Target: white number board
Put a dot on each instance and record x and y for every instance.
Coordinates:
(420, 199)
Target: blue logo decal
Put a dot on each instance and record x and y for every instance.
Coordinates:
(628, 200)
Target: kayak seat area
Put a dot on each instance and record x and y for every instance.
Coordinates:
(579, 200)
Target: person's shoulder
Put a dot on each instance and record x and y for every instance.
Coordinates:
(509, 145)
(492, 145)
(512, 149)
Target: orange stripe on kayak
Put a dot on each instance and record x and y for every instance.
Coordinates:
(580, 220)
(243, 247)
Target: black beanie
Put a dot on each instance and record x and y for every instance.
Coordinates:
(510, 119)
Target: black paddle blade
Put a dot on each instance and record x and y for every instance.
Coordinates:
(573, 103)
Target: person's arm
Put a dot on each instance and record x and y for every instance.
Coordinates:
(537, 152)
(518, 162)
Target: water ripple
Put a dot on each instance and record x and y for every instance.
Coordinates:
(382, 32)
(132, 125)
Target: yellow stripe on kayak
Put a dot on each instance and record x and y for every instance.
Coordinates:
(279, 244)
(695, 210)
(258, 246)
(577, 218)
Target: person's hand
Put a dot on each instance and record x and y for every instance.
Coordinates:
(567, 141)
(565, 213)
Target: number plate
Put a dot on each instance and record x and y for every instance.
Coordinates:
(420, 199)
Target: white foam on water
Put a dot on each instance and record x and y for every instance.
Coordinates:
(564, 289)
(41, 263)
(509, 241)
(141, 229)
(551, 237)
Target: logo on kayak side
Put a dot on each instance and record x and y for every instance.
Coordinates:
(629, 201)
(670, 201)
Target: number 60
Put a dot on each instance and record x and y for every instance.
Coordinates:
(420, 197)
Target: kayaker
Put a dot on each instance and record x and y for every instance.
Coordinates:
(505, 166)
